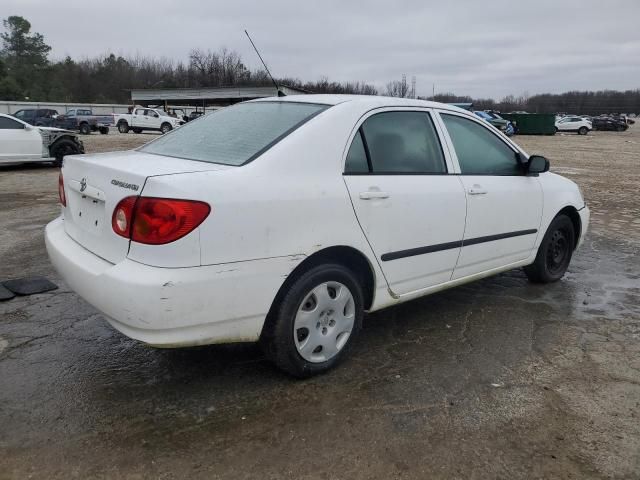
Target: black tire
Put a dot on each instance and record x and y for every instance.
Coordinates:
(104, 130)
(557, 129)
(85, 129)
(583, 131)
(620, 128)
(165, 128)
(137, 130)
(278, 335)
(62, 148)
(554, 254)
(123, 127)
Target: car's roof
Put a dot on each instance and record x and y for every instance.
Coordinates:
(370, 101)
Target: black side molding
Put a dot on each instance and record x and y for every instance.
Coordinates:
(412, 252)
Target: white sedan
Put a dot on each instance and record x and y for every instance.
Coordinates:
(21, 142)
(283, 220)
(580, 125)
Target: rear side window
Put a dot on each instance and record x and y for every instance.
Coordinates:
(234, 135)
(479, 151)
(357, 157)
(403, 142)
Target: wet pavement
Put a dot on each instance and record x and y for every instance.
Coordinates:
(496, 379)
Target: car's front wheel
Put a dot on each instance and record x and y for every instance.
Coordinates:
(554, 254)
(62, 148)
(165, 128)
(316, 321)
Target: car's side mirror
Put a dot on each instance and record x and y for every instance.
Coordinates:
(537, 164)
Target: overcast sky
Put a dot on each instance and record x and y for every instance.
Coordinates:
(482, 48)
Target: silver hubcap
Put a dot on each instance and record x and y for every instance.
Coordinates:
(324, 322)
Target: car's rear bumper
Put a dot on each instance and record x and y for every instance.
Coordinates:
(172, 307)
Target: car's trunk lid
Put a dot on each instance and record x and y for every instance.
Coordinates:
(94, 184)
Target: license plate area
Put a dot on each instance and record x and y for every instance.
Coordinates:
(88, 213)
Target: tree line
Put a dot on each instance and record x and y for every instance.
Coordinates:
(27, 73)
(575, 102)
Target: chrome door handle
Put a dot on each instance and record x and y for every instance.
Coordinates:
(477, 190)
(371, 194)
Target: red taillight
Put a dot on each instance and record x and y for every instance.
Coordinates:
(123, 216)
(156, 221)
(61, 195)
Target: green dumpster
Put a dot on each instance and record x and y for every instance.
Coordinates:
(533, 123)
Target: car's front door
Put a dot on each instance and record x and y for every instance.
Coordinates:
(410, 209)
(153, 119)
(504, 206)
(19, 141)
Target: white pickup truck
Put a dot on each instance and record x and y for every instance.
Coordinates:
(146, 119)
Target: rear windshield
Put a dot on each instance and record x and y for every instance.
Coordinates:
(234, 135)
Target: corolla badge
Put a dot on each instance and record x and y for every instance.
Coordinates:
(83, 184)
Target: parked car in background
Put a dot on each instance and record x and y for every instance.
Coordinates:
(609, 123)
(21, 142)
(195, 114)
(84, 121)
(39, 117)
(574, 124)
(285, 219)
(142, 119)
(497, 121)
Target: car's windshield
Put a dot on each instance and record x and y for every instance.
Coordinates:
(234, 135)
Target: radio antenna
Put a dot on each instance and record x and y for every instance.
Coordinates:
(280, 94)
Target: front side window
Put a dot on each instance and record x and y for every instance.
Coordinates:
(19, 114)
(71, 113)
(235, 135)
(9, 124)
(403, 142)
(479, 151)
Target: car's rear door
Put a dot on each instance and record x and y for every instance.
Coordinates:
(504, 206)
(410, 209)
(138, 118)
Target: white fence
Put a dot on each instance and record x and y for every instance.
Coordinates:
(97, 108)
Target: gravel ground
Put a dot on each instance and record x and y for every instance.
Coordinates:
(496, 379)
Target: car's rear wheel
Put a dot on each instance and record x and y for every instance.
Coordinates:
(313, 326)
(557, 129)
(554, 254)
(583, 130)
(123, 127)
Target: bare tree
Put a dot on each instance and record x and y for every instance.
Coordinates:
(398, 88)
